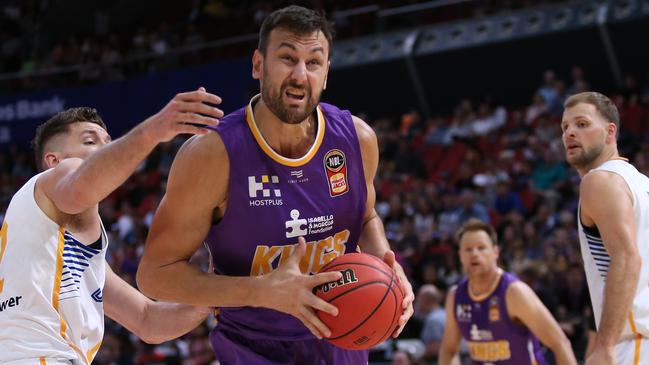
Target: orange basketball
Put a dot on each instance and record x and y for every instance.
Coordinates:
(368, 298)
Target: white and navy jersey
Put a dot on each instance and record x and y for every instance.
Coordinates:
(597, 260)
(51, 286)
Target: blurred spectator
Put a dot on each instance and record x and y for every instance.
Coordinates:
(430, 310)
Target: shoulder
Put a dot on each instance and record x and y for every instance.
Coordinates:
(601, 180)
(517, 292)
(207, 147)
(599, 183)
(201, 158)
(450, 296)
(202, 164)
(364, 132)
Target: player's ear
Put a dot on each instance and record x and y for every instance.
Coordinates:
(257, 64)
(50, 160)
(611, 131)
(324, 87)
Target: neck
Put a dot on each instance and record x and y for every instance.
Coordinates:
(289, 140)
(484, 284)
(606, 155)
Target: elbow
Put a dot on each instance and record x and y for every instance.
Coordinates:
(152, 339)
(146, 283)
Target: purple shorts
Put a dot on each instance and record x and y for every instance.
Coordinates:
(233, 349)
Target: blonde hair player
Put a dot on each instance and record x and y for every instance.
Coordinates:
(54, 281)
(613, 229)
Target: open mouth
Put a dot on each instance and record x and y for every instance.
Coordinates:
(295, 95)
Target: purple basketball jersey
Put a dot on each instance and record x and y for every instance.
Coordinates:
(492, 336)
(273, 200)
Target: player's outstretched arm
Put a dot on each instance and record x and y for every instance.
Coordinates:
(525, 306)
(76, 185)
(606, 203)
(450, 347)
(153, 322)
(197, 186)
(372, 239)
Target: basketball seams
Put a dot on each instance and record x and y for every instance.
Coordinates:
(381, 315)
(349, 256)
(395, 317)
(388, 274)
(358, 287)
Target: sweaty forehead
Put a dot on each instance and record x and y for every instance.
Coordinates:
(312, 41)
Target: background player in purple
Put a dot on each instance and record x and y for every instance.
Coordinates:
(500, 317)
(284, 169)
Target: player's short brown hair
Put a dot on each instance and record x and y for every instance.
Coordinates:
(58, 124)
(297, 20)
(602, 103)
(475, 224)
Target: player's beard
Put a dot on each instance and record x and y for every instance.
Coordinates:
(586, 157)
(274, 102)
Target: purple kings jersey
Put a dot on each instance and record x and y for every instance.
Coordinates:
(272, 200)
(491, 335)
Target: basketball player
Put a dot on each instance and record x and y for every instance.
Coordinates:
(54, 282)
(282, 169)
(613, 229)
(500, 317)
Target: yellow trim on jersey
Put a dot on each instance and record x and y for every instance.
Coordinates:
(57, 289)
(638, 339)
(481, 297)
(90, 355)
(292, 162)
(57, 279)
(3, 247)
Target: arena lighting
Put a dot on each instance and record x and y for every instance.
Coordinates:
(456, 35)
(482, 30)
(623, 9)
(533, 22)
(371, 49)
(429, 39)
(507, 26)
(561, 18)
(499, 27)
(587, 14)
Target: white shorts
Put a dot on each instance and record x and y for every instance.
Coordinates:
(634, 351)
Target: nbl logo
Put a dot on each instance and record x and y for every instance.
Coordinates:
(336, 170)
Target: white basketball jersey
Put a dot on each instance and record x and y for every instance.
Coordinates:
(597, 259)
(51, 287)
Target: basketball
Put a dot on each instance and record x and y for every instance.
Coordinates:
(368, 298)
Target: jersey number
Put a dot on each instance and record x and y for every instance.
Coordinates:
(3, 246)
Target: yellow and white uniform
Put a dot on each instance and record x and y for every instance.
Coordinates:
(633, 347)
(51, 286)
